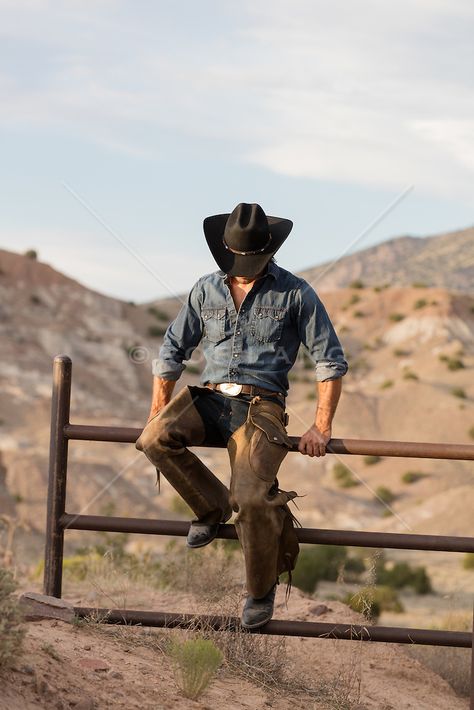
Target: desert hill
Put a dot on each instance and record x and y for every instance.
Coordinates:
(445, 260)
(411, 356)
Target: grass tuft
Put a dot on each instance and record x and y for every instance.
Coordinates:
(195, 662)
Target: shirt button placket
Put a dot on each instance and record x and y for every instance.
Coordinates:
(236, 346)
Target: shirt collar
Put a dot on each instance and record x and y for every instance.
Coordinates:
(272, 270)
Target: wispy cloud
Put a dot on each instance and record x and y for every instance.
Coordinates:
(365, 92)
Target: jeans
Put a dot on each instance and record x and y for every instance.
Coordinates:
(221, 414)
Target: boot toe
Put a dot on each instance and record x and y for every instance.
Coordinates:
(201, 534)
(258, 612)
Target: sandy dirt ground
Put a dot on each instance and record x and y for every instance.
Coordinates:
(92, 666)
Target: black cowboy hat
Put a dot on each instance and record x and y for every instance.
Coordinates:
(243, 241)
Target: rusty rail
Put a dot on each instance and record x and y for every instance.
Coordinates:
(58, 521)
(277, 627)
(319, 536)
(376, 447)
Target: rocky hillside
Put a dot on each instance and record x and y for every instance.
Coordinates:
(445, 260)
(411, 357)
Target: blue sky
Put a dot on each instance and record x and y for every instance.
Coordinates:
(124, 124)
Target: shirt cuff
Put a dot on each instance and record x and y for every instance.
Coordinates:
(327, 370)
(168, 370)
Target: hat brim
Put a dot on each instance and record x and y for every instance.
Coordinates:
(243, 264)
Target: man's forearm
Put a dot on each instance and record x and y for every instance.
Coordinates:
(328, 397)
(162, 393)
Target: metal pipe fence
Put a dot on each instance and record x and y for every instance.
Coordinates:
(58, 520)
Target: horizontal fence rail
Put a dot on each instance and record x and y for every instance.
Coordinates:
(58, 521)
(376, 447)
(318, 536)
(276, 627)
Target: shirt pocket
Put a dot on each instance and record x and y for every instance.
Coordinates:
(214, 323)
(267, 323)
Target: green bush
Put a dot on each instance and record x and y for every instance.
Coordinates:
(354, 566)
(458, 392)
(419, 284)
(412, 476)
(318, 562)
(35, 299)
(384, 494)
(12, 632)
(355, 298)
(396, 317)
(471, 432)
(343, 476)
(399, 352)
(420, 303)
(420, 581)
(359, 314)
(371, 460)
(455, 363)
(155, 331)
(31, 254)
(371, 601)
(386, 384)
(409, 375)
(468, 560)
(157, 313)
(401, 575)
(357, 283)
(196, 661)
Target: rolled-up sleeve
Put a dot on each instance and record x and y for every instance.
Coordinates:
(181, 338)
(317, 334)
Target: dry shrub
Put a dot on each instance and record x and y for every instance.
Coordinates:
(209, 572)
(11, 631)
(267, 661)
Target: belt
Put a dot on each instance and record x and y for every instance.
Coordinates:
(233, 389)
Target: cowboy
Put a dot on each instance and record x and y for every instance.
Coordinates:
(250, 317)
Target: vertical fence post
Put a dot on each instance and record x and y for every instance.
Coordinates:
(472, 664)
(58, 448)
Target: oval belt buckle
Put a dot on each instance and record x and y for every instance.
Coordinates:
(230, 388)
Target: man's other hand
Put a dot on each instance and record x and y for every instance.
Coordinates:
(313, 442)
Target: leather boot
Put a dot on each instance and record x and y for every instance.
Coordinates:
(264, 523)
(258, 612)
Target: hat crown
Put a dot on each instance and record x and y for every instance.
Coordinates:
(246, 229)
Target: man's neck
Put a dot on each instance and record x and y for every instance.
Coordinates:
(247, 280)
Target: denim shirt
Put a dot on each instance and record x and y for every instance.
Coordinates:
(257, 345)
